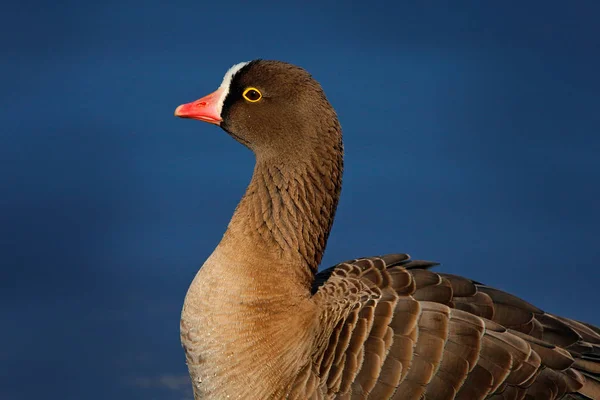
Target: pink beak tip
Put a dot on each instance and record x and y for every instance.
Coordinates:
(205, 109)
(178, 111)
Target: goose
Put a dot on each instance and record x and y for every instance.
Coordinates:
(260, 322)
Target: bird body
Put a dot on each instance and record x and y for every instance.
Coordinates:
(259, 322)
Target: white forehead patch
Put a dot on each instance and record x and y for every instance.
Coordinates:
(227, 82)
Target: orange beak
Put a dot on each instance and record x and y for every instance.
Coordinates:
(205, 109)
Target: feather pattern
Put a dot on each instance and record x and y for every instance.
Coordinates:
(399, 330)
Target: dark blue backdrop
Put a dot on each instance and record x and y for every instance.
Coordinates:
(472, 138)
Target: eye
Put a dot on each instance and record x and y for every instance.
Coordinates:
(252, 94)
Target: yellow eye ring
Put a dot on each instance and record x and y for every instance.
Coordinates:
(252, 94)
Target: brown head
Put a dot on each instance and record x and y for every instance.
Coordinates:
(272, 107)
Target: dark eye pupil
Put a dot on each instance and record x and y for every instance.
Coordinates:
(253, 95)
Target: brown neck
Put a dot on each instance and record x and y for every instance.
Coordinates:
(288, 209)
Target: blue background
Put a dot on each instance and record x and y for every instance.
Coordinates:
(471, 132)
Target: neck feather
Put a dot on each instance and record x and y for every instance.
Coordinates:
(288, 209)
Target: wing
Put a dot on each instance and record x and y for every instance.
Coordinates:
(393, 329)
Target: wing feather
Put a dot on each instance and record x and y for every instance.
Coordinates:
(394, 329)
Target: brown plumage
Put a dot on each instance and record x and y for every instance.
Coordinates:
(258, 322)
